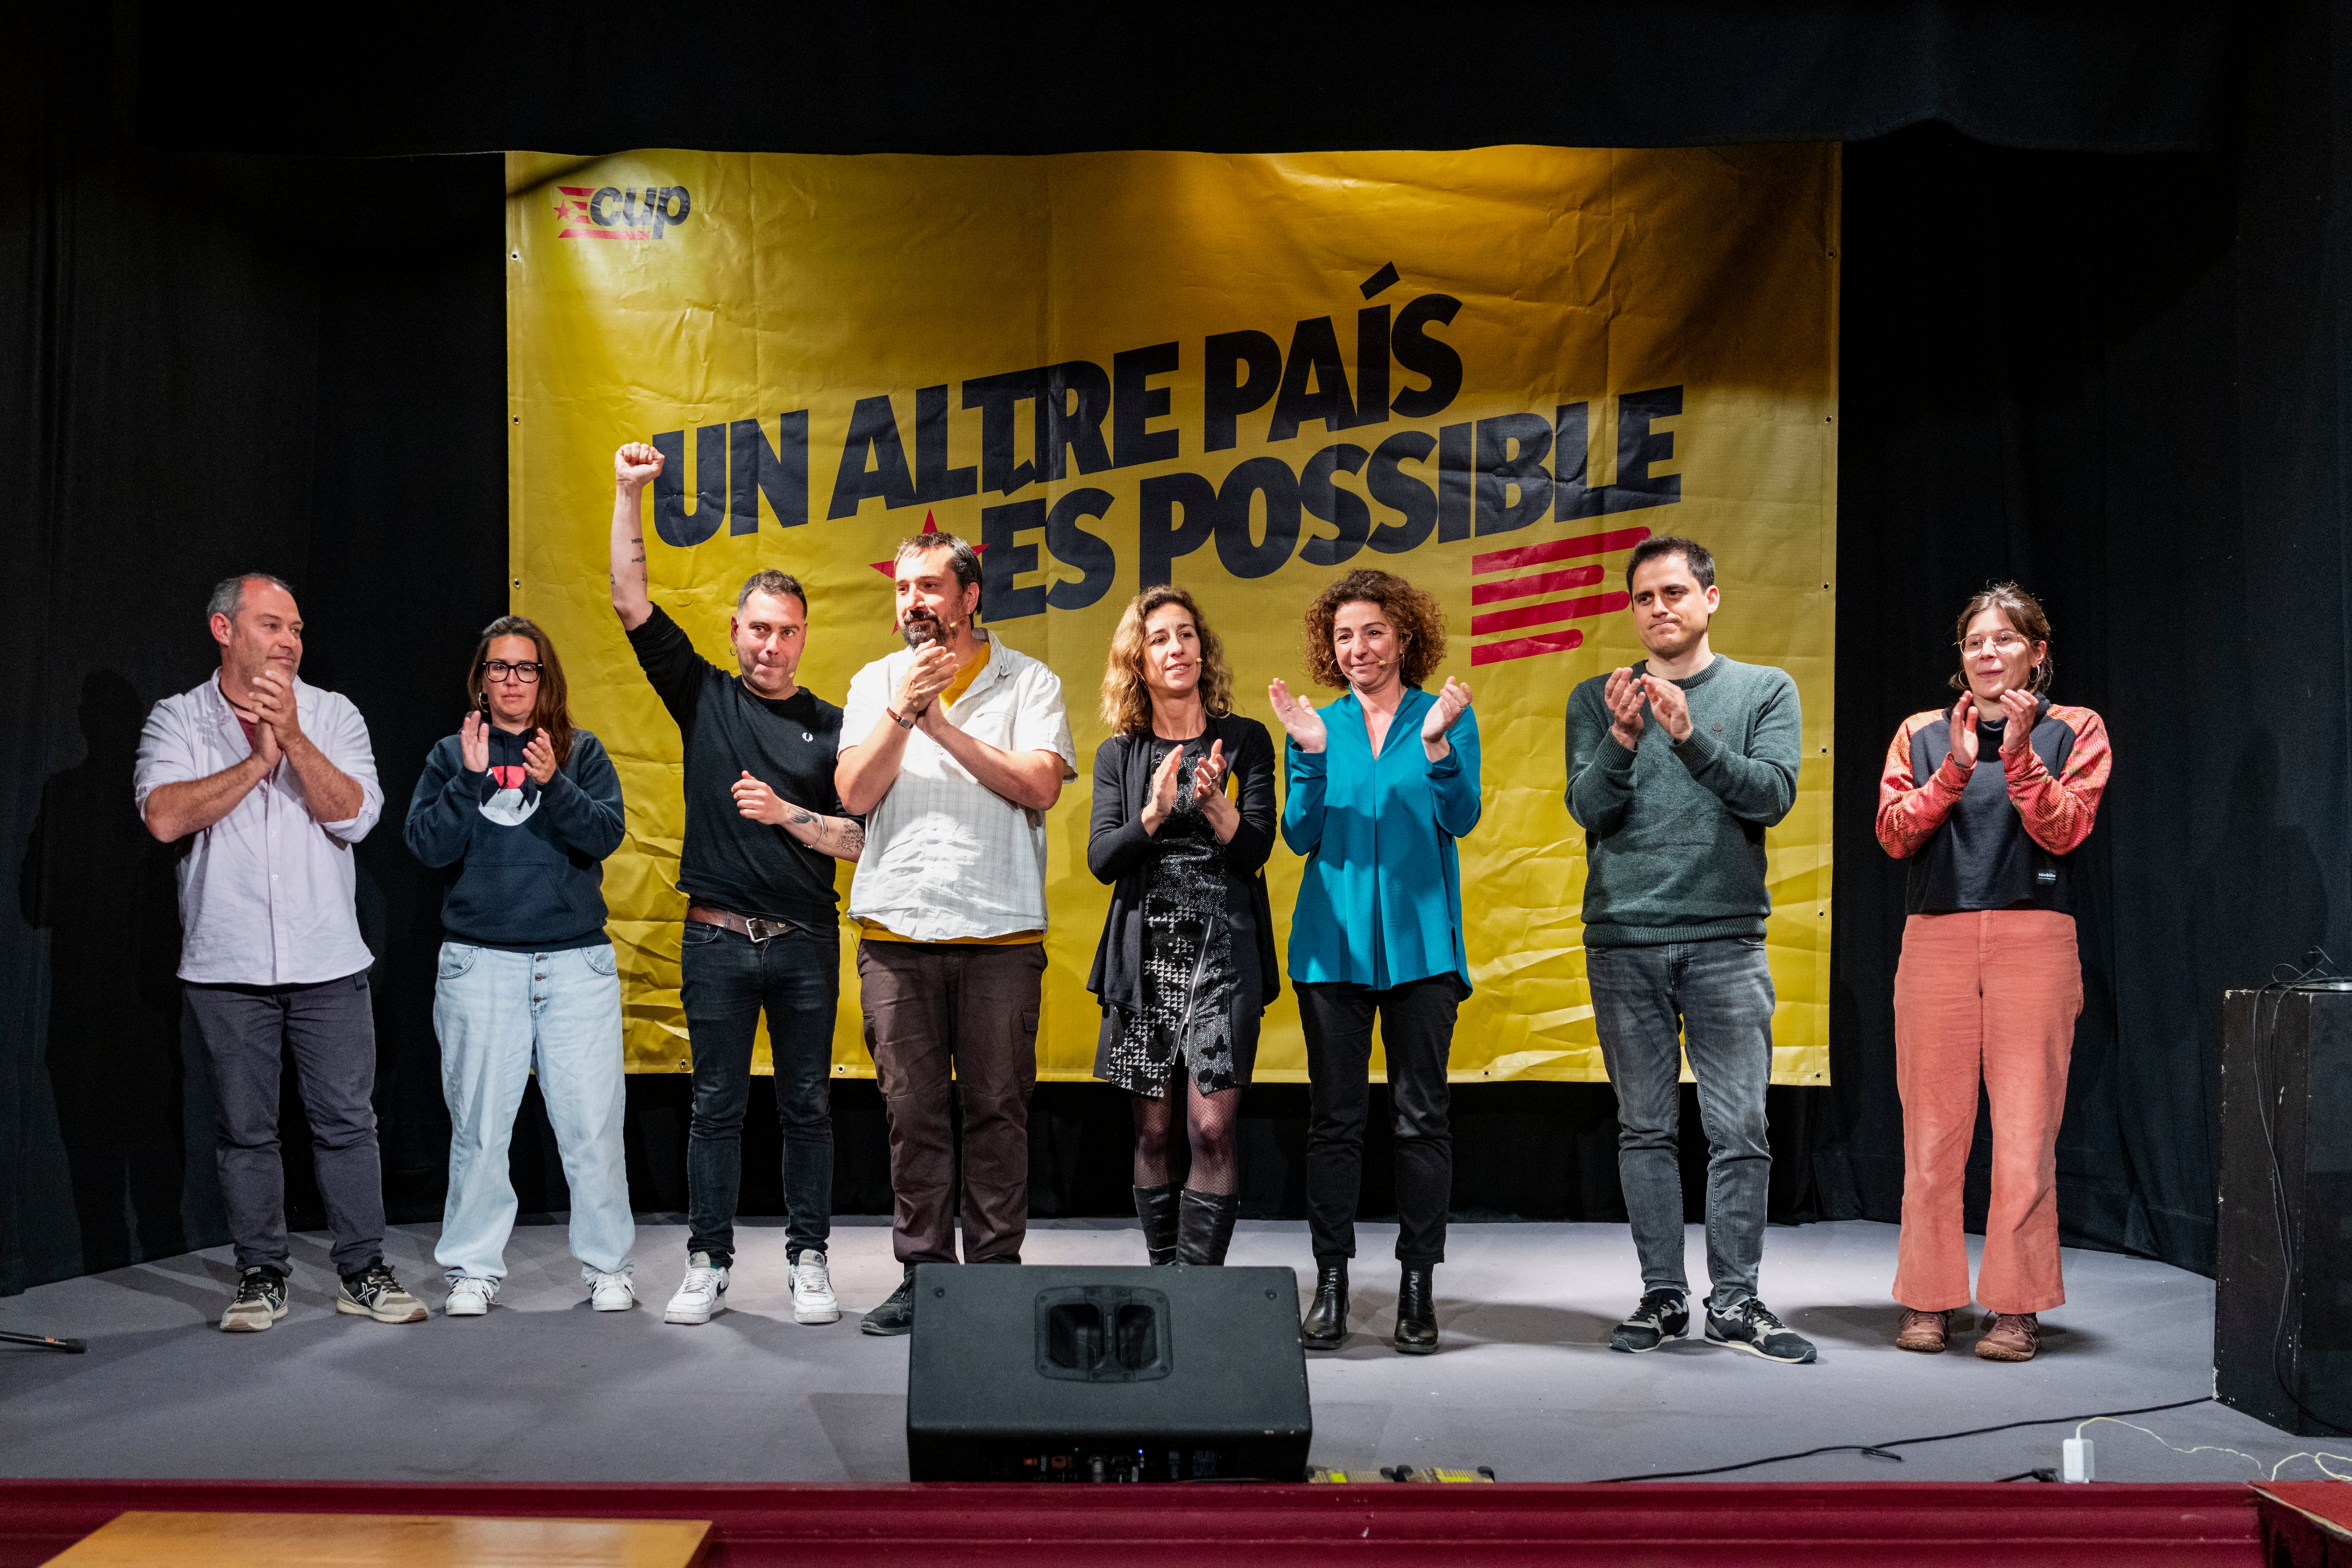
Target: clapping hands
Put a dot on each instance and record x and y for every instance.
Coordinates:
(1299, 720)
(2015, 707)
(1452, 700)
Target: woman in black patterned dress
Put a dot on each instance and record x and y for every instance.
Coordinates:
(1183, 821)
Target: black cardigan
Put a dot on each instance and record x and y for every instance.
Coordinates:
(1119, 851)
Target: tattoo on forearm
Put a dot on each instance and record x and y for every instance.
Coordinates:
(841, 837)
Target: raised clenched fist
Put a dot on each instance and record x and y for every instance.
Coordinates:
(636, 463)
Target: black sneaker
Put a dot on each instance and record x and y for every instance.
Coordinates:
(1663, 1315)
(897, 1315)
(1751, 1327)
(373, 1292)
(260, 1301)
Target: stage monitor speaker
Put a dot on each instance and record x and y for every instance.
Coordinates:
(2282, 1306)
(1106, 1375)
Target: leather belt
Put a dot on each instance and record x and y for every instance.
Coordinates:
(744, 925)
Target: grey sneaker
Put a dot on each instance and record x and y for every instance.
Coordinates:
(260, 1301)
(1663, 1315)
(1751, 1327)
(373, 1292)
(895, 1315)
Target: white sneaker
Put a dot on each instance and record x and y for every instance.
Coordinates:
(701, 1293)
(812, 1300)
(470, 1297)
(612, 1293)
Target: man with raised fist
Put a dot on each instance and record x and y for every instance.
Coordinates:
(1676, 765)
(954, 747)
(762, 830)
(268, 781)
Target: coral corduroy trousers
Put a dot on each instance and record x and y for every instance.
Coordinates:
(1991, 994)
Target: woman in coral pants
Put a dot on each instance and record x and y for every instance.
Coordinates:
(1989, 802)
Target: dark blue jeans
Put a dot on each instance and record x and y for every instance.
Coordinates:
(725, 980)
(1714, 999)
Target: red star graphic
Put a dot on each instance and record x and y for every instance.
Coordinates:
(890, 568)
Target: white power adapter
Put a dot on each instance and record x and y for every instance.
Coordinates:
(2078, 1462)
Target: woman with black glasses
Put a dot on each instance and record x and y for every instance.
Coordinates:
(524, 808)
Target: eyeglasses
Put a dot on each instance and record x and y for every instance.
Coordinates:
(499, 670)
(2002, 642)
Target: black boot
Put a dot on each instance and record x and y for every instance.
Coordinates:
(1416, 1330)
(1204, 1225)
(1156, 1207)
(1326, 1324)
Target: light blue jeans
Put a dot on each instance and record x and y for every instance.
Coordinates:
(497, 1014)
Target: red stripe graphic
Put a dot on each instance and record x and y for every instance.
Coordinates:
(1557, 610)
(1558, 550)
(1526, 648)
(605, 234)
(1543, 582)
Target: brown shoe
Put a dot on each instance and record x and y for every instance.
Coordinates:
(2014, 1336)
(1924, 1332)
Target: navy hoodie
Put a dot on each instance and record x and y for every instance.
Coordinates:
(529, 861)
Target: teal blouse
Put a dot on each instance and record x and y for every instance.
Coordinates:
(1382, 900)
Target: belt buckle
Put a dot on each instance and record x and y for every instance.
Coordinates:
(760, 930)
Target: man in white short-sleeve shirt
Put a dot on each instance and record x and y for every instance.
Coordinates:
(953, 749)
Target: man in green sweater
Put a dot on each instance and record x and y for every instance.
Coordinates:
(1675, 767)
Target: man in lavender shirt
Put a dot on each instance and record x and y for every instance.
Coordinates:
(266, 783)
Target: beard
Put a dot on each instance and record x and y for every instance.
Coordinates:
(921, 628)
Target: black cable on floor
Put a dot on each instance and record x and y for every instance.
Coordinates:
(1879, 1450)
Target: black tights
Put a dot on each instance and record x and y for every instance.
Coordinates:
(1208, 1126)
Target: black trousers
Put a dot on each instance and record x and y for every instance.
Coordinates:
(1416, 1022)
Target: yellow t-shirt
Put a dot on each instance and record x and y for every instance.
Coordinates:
(875, 930)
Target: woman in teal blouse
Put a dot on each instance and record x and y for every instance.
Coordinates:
(1380, 784)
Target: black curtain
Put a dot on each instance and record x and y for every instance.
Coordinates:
(2103, 356)
(599, 76)
(215, 363)
(2120, 381)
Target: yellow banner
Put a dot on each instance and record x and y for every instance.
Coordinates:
(1491, 371)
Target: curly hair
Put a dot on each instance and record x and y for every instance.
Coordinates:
(2025, 616)
(1420, 625)
(1126, 700)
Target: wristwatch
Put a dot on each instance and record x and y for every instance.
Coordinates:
(902, 723)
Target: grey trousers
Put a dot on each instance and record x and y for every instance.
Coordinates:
(330, 1029)
(1714, 999)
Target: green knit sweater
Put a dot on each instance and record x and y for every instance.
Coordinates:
(1674, 834)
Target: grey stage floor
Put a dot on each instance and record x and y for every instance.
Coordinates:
(543, 1389)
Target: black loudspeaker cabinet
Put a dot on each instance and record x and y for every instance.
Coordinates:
(1108, 1375)
(2283, 1307)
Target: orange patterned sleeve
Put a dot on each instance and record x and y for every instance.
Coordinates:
(2059, 812)
(1909, 811)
